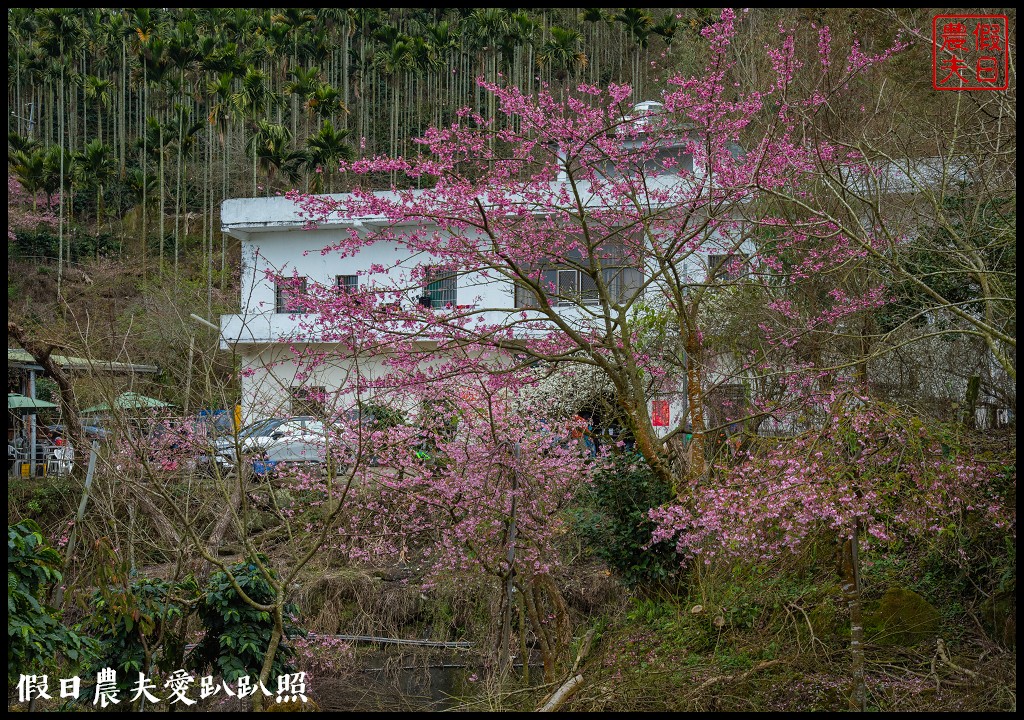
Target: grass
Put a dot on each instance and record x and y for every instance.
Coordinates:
(730, 636)
(775, 637)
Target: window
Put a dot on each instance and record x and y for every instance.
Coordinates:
(440, 288)
(348, 283)
(289, 295)
(574, 287)
(730, 266)
(569, 282)
(307, 400)
(726, 405)
(667, 161)
(568, 286)
(623, 282)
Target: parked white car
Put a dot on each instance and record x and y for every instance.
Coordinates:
(256, 439)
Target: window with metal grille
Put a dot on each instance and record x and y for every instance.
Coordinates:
(525, 297)
(566, 286)
(623, 282)
(441, 287)
(730, 266)
(348, 283)
(570, 283)
(290, 295)
(307, 400)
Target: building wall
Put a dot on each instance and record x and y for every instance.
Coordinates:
(274, 242)
(297, 252)
(270, 372)
(301, 253)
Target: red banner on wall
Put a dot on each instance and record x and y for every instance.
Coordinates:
(659, 413)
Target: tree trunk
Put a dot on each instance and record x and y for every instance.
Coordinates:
(41, 352)
(60, 216)
(852, 593)
(177, 200)
(268, 659)
(122, 108)
(160, 205)
(144, 164)
(971, 401)
(208, 207)
(562, 694)
(168, 534)
(504, 652)
(547, 656)
(648, 443)
(227, 515)
(695, 406)
(549, 617)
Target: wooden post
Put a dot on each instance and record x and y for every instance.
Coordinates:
(69, 551)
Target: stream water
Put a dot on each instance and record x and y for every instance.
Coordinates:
(389, 682)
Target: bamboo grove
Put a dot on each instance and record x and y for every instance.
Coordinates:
(145, 119)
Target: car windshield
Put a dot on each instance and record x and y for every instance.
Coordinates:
(261, 428)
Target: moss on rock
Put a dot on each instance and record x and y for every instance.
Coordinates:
(902, 618)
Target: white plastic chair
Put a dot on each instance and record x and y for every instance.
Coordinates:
(62, 462)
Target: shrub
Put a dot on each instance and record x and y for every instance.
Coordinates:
(36, 637)
(136, 626)
(613, 520)
(237, 634)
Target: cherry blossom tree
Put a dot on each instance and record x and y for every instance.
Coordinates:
(870, 474)
(473, 480)
(621, 235)
(597, 235)
(612, 227)
(480, 492)
(23, 211)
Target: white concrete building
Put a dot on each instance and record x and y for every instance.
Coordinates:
(269, 336)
